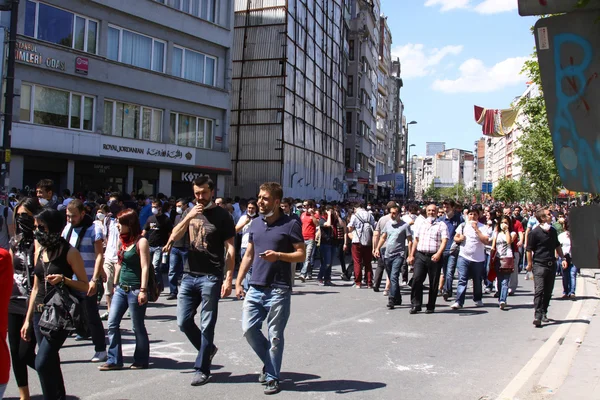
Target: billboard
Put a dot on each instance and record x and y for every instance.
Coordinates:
(399, 189)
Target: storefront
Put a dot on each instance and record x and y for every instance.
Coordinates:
(38, 168)
(182, 182)
(100, 177)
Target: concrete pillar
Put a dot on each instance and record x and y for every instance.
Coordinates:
(220, 186)
(17, 169)
(129, 179)
(71, 175)
(165, 178)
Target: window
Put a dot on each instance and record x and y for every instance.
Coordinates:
(347, 162)
(190, 131)
(135, 49)
(351, 51)
(348, 122)
(58, 26)
(195, 66)
(132, 121)
(47, 106)
(350, 86)
(204, 9)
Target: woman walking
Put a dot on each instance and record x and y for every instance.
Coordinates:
(131, 283)
(502, 240)
(56, 263)
(569, 275)
(22, 252)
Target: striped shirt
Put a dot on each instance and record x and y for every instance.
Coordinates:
(86, 247)
(430, 236)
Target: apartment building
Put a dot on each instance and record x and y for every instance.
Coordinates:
(122, 95)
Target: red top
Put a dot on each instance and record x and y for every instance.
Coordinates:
(6, 283)
(309, 229)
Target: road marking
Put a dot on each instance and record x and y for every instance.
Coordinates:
(343, 321)
(538, 358)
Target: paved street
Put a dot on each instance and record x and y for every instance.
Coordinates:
(340, 340)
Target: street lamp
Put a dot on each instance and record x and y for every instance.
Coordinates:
(410, 181)
(407, 151)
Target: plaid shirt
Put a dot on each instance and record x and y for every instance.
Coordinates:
(430, 236)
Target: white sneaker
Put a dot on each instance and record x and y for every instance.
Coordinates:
(404, 283)
(502, 305)
(100, 356)
(455, 306)
(487, 290)
(479, 303)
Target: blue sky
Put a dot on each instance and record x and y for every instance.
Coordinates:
(456, 54)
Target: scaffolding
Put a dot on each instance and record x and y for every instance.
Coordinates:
(288, 97)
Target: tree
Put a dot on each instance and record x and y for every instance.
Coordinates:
(432, 193)
(536, 149)
(507, 190)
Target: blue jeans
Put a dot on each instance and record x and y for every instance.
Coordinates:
(327, 253)
(47, 361)
(177, 260)
(503, 283)
(199, 291)
(123, 301)
(450, 270)
(249, 273)
(94, 322)
(155, 257)
(466, 270)
(569, 278)
(392, 267)
(311, 247)
(272, 304)
(2, 390)
(485, 272)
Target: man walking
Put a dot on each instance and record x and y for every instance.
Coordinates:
(542, 244)
(452, 219)
(376, 236)
(210, 231)
(275, 241)
(394, 234)
(361, 227)
(310, 222)
(178, 254)
(426, 255)
(157, 229)
(87, 237)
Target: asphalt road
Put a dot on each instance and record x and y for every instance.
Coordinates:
(339, 341)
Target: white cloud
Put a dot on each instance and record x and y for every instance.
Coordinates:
(417, 62)
(448, 5)
(475, 77)
(496, 6)
(483, 7)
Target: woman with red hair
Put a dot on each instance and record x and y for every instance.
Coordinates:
(130, 293)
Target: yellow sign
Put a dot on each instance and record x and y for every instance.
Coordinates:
(7, 156)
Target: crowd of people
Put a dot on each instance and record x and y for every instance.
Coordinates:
(126, 249)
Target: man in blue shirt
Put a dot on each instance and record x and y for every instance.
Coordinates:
(275, 242)
(452, 219)
(88, 238)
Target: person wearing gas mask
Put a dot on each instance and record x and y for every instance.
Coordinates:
(45, 193)
(178, 254)
(157, 230)
(542, 245)
(22, 252)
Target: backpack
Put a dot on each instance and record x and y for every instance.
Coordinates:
(365, 235)
(152, 289)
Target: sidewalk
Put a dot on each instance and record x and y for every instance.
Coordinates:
(583, 379)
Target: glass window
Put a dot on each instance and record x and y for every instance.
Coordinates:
(108, 117)
(156, 125)
(210, 71)
(91, 36)
(62, 27)
(208, 136)
(113, 43)
(177, 61)
(128, 120)
(79, 33)
(25, 113)
(200, 136)
(173, 128)
(194, 66)
(30, 14)
(146, 123)
(137, 50)
(51, 107)
(186, 131)
(88, 113)
(158, 57)
(75, 111)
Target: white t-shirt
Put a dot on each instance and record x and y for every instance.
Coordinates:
(471, 248)
(565, 242)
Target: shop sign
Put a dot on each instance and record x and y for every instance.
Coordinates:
(144, 151)
(191, 176)
(364, 181)
(101, 168)
(82, 65)
(28, 53)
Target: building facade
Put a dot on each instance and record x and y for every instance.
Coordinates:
(432, 148)
(361, 98)
(130, 96)
(288, 97)
(479, 153)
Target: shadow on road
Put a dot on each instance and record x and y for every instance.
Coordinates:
(170, 364)
(162, 317)
(295, 293)
(463, 312)
(566, 321)
(40, 397)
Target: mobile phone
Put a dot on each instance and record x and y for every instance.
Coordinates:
(262, 254)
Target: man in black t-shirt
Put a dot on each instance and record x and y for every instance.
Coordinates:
(210, 232)
(157, 230)
(542, 244)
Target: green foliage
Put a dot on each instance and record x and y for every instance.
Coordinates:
(536, 150)
(432, 193)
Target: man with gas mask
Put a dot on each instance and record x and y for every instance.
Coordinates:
(157, 229)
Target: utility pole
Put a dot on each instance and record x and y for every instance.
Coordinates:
(9, 95)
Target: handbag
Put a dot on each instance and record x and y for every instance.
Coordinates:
(507, 265)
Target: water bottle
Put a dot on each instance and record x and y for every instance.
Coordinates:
(165, 257)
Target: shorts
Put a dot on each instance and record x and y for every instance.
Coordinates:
(109, 269)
